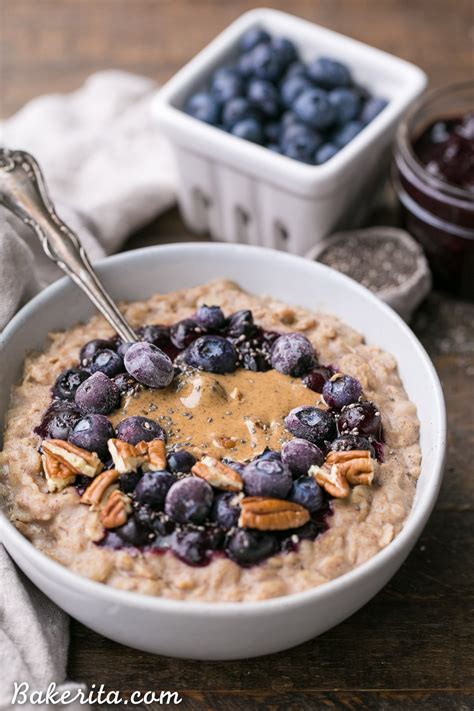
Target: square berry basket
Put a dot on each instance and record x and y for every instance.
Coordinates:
(243, 192)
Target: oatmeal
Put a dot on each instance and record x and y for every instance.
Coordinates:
(236, 453)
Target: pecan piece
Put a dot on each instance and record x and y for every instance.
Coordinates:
(78, 460)
(57, 474)
(95, 492)
(155, 455)
(218, 474)
(342, 469)
(126, 457)
(116, 510)
(271, 514)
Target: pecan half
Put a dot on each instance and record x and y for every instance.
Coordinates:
(94, 493)
(116, 510)
(78, 460)
(271, 514)
(57, 474)
(341, 469)
(126, 457)
(218, 474)
(155, 455)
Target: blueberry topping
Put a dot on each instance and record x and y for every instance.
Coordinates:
(189, 500)
(91, 347)
(190, 546)
(92, 433)
(341, 390)
(97, 394)
(213, 354)
(132, 533)
(308, 493)
(315, 379)
(360, 418)
(350, 442)
(328, 73)
(106, 361)
(153, 487)
(241, 324)
(181, 461)
(68, 381)
(127, 482)
(210, 318)
(292, 354)
(204, 107)
(311, 423)
(125, 383)
(184, 333)
(157, 335)
(225, 510)
(136, 429)
(149, 365)
(251, 547)
(58, 420)
(267, 477)
(299, 455)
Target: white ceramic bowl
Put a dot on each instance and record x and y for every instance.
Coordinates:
(242, 192)
(229, 630)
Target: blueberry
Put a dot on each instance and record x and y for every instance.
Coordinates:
(267, 477)
(136, 429)
(252, 37)
(274, 147)
(250, 129)
(181, 461)
(190, 546)
(236, 466)
(225, 510)
(270, 454)
(241, 324)
(325, 153)
(132, 533)
(312, 107)
(125, 383)
(97, 394)
(106, 361)
(305, 491)
(372, 107)
(347, 133)
(91, 347)
(292, 87)
(292, 354)
(295, 69)
(315, 379)
(226, 84)
(158, 335)
(300, 143)
(299, 455)
(123, 347)
(92, 432)
(58, 420)
(349, 442)
(210, 318)
(341, 390)
(267, 63)
(68, 381)
(264, 96)
(346, 102)
(285, 49)
(189, 500)
(272, 132)
(237, 110)
(245, 65)
(149, 365)
(328, 73)
(213, 354)
(184, 332)
(311, 423)
(127, 482)
(288, 119)
(360, 418)
(204, 107)
(251, 547)
(153, 487)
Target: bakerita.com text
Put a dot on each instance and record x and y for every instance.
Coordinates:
(64, 694)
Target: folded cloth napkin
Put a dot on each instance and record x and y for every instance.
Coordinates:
(109, 172)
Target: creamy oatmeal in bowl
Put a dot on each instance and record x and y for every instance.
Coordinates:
(243, 450)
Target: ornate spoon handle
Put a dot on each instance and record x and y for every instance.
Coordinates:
(23, 191)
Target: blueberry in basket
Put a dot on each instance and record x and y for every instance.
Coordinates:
(269, 85)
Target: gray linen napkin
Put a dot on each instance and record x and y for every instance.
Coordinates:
(109, 172)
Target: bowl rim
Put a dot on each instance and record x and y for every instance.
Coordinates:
(413, 525)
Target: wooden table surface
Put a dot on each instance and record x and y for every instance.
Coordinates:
(412, 646)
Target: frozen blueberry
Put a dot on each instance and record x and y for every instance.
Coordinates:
(210, 318)
(264, 96)
(97, 394)
(241, 324)
(360, 418)
(149, 365)
(328, 73)
(267, 63)
(325, 153)
(347, 133)
(153, 333)
(341, 390)
(184, 332)
(305, 491)
(237, 110)
(250, 129)
(189, 500)
(92, 433)
(312, 106)
(252, 37)
(213, 354)
(127, 482)
(315, 379)
(270, 454)
(225, 510)
(204, 107)
(125, 383)
(153, 487)
(236, 466)
(300, 143)
(58, 420)
(267, 477)
(299, 455)
(372, 107)
(91, 347)
(123, 347)
(251, 547)
(190, 546)
(291, 87)
(285, 49)
(136, 429)
(311, 423)
(226, 84)
(292, 354)
(106, 361)
(181, 461)
(67, 383)
(132, 533)
(349, 442)
(346, 102)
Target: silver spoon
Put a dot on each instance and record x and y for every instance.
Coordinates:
(23, 191)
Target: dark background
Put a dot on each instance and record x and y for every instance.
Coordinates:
(412, 646)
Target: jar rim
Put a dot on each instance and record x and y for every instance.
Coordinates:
(405, 146)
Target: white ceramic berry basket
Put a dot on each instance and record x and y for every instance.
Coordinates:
(242, 192)
(229, 630)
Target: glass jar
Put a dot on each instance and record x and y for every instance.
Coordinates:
(438, 214)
